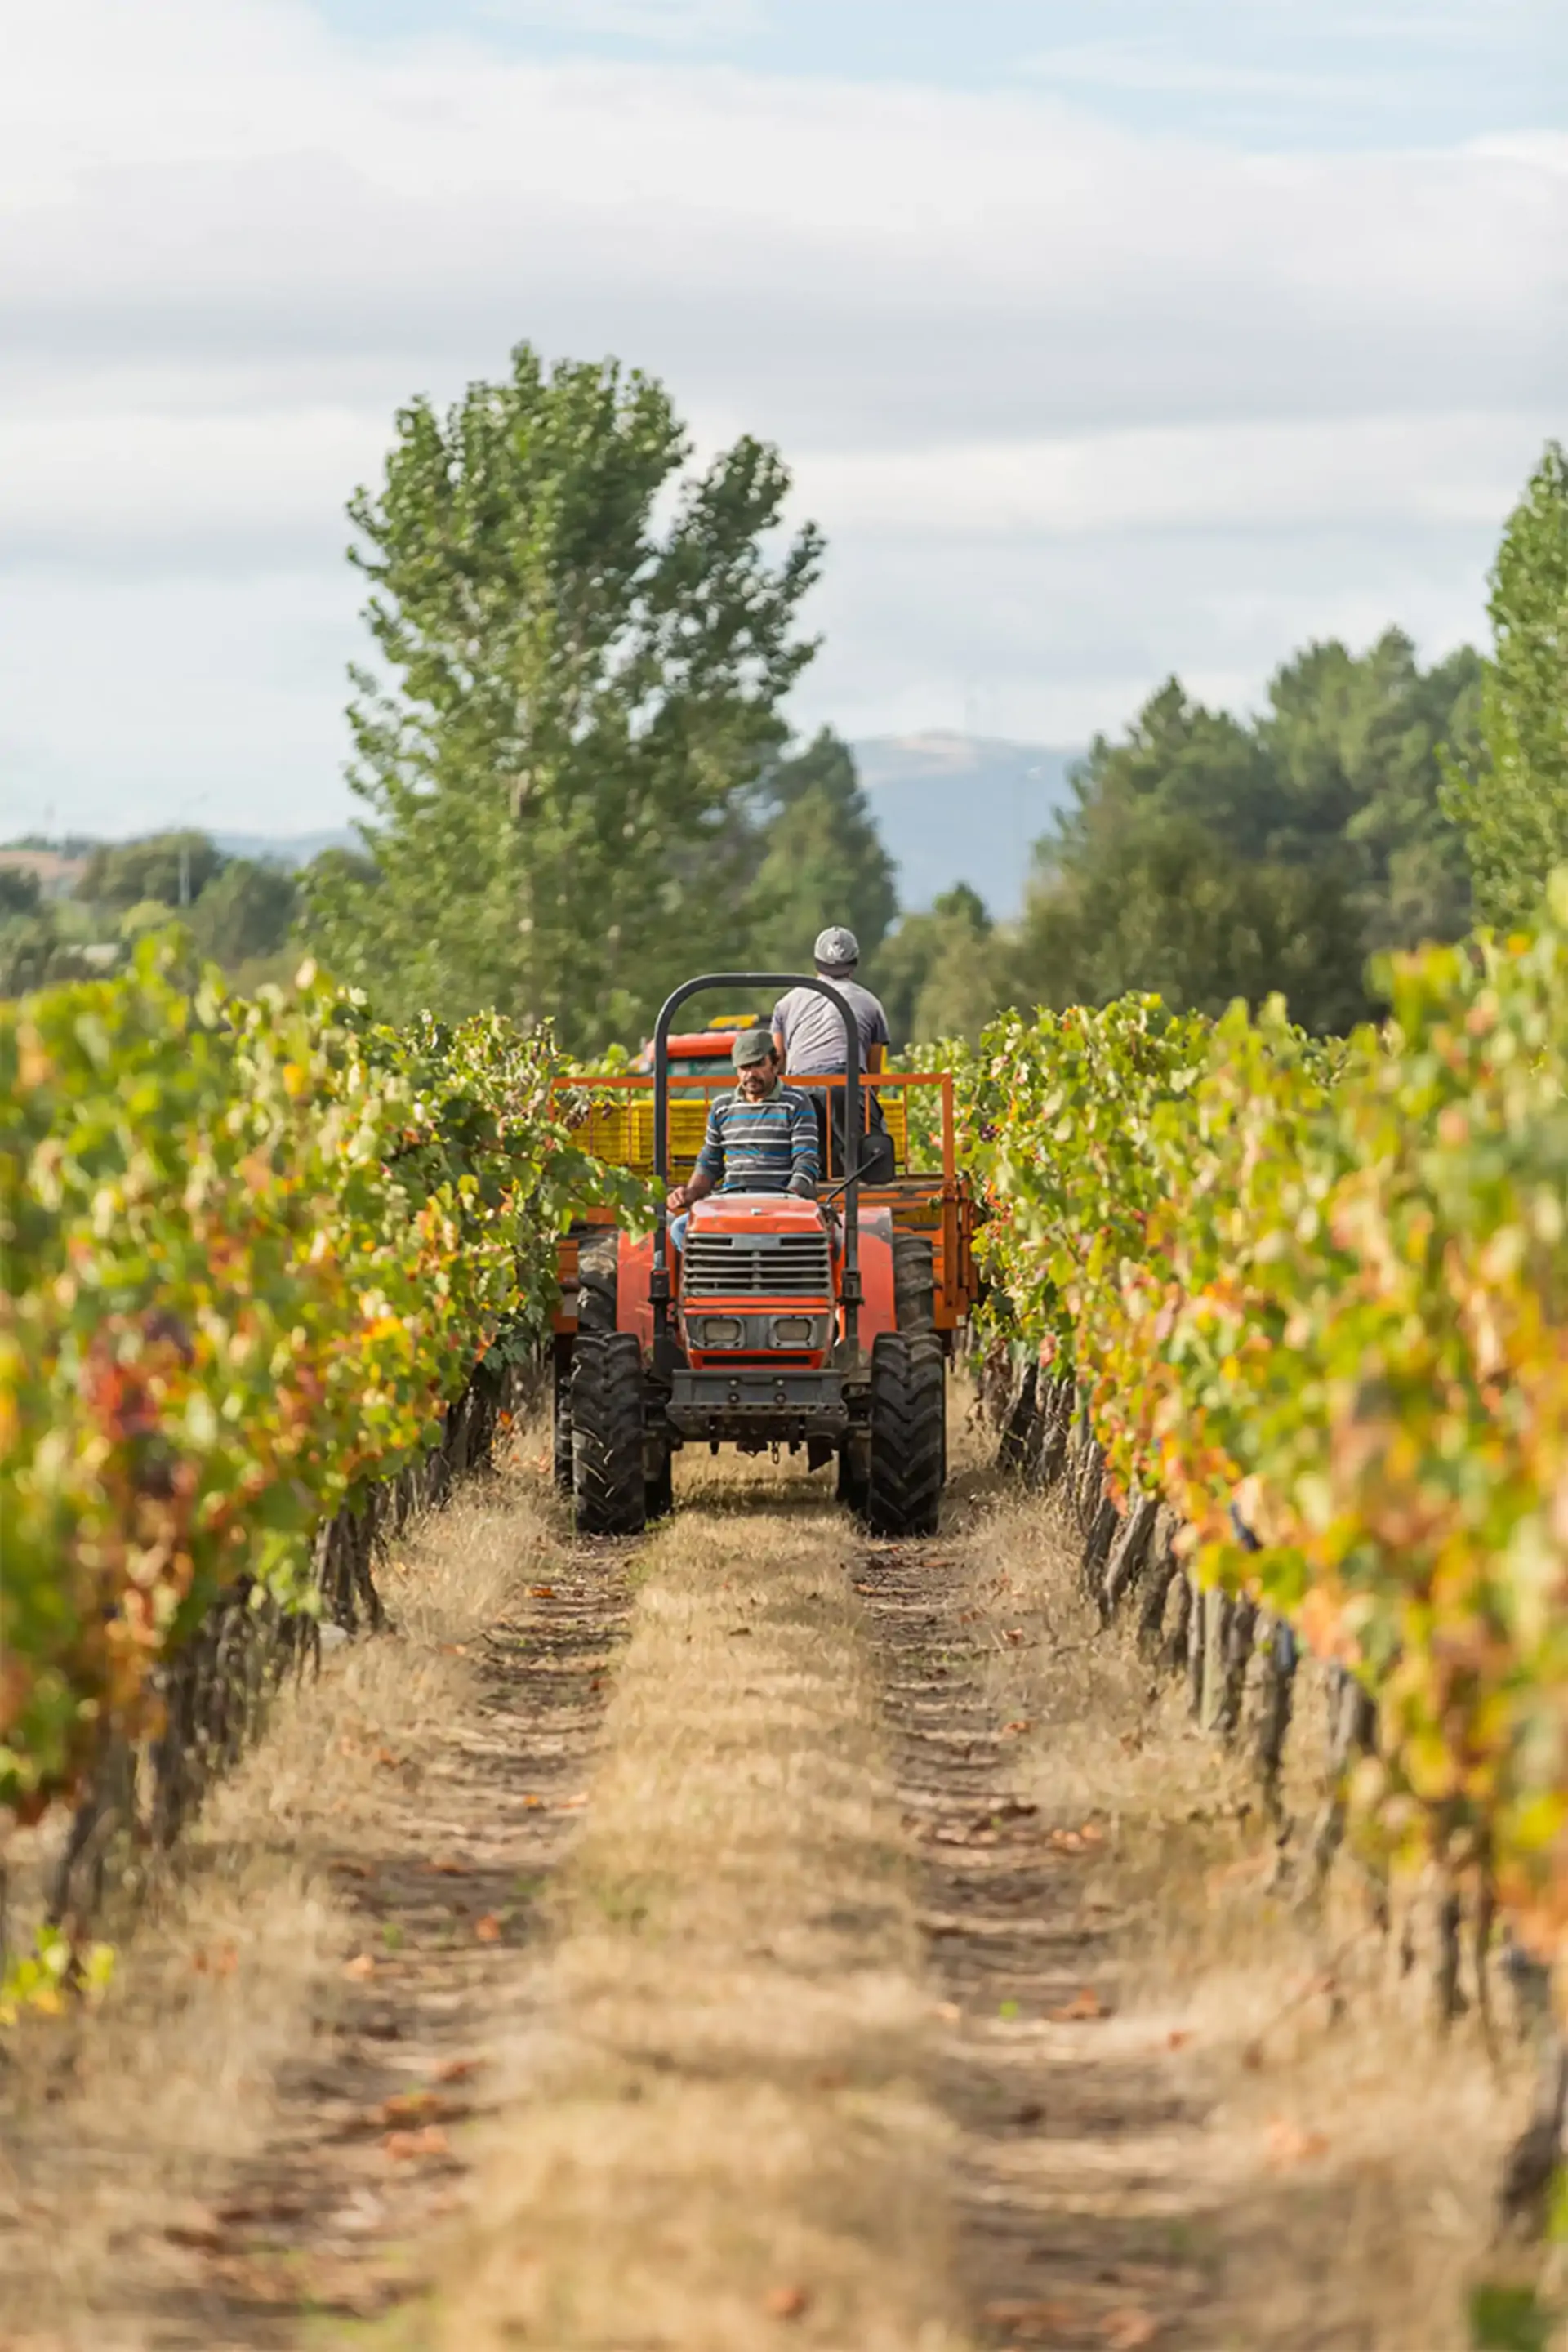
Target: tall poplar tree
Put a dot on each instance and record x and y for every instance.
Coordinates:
(583, 645)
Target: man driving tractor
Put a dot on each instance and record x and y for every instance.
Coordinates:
(761, 1139)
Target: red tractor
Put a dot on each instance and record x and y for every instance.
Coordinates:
(821, 1326)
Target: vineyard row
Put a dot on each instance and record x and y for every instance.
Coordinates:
(1314, 1298)
(264, 1265)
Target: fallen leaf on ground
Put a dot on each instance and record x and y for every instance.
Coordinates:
(1288, 2144)
(404, 2147)
(542, 1591)
(1129, 2330)
(385, 1755)
(1033, 2323)
(487, 1929)
(1179, 2039)
(1092, 1834)
(1023, 1724)
(201, 2233)
(786, 2302)
(457, 2069)
(1082, 2008)
(448, 1869)
(532, 1804)
(411, 2107)
(360, 1966)
(1066, 1842)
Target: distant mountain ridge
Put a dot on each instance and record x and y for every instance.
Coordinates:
(962, 808)
(952, 808)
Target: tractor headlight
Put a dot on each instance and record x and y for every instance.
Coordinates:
(794, 1330)
(720, 1331)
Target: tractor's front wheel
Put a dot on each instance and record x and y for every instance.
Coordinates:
(607, 1484)
(909, 1406)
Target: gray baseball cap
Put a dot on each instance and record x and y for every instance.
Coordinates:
(836, 945)
(751, 1047)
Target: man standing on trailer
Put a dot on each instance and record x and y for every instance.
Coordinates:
(809, 1037)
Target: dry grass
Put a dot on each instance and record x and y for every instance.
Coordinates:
(113, 2125)
(720, 2123)
(1342, 2179)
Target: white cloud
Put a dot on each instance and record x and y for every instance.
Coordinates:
(1277, 475)
(1143, 65)
(673, 24)
(1009, 347)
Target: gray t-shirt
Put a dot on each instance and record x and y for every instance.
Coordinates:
(813, 1030)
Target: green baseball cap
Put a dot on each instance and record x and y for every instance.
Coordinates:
(751, 1046)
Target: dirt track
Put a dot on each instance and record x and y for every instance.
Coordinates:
(739, 1939)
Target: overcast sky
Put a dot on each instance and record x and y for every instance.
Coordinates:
(1104, 341)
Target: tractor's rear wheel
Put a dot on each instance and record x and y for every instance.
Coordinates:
(608, 1483)
(598, 1261)
(560, 1424)
(914, 1283)
(909, 1404)
(852, 1473)
(660, 1495)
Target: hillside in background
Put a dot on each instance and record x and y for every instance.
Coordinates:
(950, 808)
(290, 850)
(962, 808)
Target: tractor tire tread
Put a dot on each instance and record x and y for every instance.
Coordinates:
(914, 1283)
(608, 1483)
(598, 1286)
(909, 1404)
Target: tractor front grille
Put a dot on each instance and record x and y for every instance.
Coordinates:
(757, 1265)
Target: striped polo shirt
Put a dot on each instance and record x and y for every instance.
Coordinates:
(757, 1147)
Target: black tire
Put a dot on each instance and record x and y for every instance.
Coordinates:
(908, 1403)
(930, 1343)
(598, 1257)
(914, 1283)
(852, 1475)
(658, 1499)
(607, 1484)
(560, 1426)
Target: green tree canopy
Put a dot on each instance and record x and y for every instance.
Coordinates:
(246, 912)
(823, 858)
(1208, 858)
(122, 874)
(943, 972)
(584, 648)
(1513, 803)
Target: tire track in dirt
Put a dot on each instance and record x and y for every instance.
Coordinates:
(1066, 2188)
(333, 2221)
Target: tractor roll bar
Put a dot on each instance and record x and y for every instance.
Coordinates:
(775, 982)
